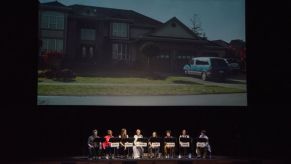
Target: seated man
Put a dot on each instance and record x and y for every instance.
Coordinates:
(183, 151)
(93, 147)
(153, 150)
(202, 147)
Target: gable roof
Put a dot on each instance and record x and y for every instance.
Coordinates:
(221, 43)
(107, 13)
(111, 13)
(54, 3)
(185, 29)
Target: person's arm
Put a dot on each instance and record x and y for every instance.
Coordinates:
(90, 142)
(135, 139)
(120, 141)
(149, 142)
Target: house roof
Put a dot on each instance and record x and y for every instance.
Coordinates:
(221, 43)
(176, 20)
(107, 13)
(119, 14)
(54, 3)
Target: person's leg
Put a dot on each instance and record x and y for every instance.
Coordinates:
(157, 152)
(180, 151)
(98, 152)
(198, 152)
(165, 151)
(94, 152)
(134, 151)
(141, 152)
(150, 151)
(90, 153)
(204, 152)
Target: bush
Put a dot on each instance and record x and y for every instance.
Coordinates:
(65, 75)
(52, 59)
(47, 73)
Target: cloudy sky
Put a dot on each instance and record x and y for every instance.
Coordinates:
(220, 19)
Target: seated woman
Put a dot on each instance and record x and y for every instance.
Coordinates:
(168, 150)
(123, 150)
(153, 150)
(203, 148)
(106, 145)
(183, 151)
(137, 150)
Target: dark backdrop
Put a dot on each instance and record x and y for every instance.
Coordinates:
(260, 130)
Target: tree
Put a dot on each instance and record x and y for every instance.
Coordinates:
(196, 26)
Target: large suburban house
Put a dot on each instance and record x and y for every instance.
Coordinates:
(107, 36)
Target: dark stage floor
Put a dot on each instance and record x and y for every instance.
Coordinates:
(213, 160)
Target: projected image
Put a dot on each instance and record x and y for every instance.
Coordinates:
(142, 53)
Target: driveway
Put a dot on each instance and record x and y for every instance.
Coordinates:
(234, 99)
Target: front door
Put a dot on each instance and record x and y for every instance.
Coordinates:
(87, 53)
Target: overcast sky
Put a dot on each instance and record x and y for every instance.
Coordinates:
(220, 19)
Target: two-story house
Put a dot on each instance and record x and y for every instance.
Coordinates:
(106, 36)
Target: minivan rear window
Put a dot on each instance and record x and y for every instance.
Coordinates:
(218, 63)
(201, 62)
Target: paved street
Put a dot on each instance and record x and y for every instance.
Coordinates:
(235, 99)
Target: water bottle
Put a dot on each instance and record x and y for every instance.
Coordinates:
(189, 156)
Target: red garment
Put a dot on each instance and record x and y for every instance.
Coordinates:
(106, 143)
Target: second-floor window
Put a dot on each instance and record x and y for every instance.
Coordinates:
(88, 34)
(119, 30)
(52, 20)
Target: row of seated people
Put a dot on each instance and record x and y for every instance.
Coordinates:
(125, 147)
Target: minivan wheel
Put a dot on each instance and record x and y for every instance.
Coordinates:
(204, 76)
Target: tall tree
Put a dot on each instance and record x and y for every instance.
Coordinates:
(196, 26)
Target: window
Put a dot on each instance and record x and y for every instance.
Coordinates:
(201, 62)
(218, 63)
(91, 52)
(88, 34)
(120, 30)
(52, 20)
(119, 51)
(83, 51)
(53, 45)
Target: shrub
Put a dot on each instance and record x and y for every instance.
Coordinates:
(52, 59)
(50, 74)
(65, 75)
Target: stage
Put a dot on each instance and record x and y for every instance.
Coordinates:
(213, 160)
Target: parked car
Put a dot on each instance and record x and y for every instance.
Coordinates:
(233, 64)
(207, 68)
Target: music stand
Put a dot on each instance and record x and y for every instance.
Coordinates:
(202, 140)
(157, 141)
(129, 143)
(144, 142)
(114, 144)
(185, 140)
(185, 146)
(172, 142)
(99, 140)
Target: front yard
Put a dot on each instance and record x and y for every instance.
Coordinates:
(92, 86)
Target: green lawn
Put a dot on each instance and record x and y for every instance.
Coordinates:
(162, 87)
(126, 80)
